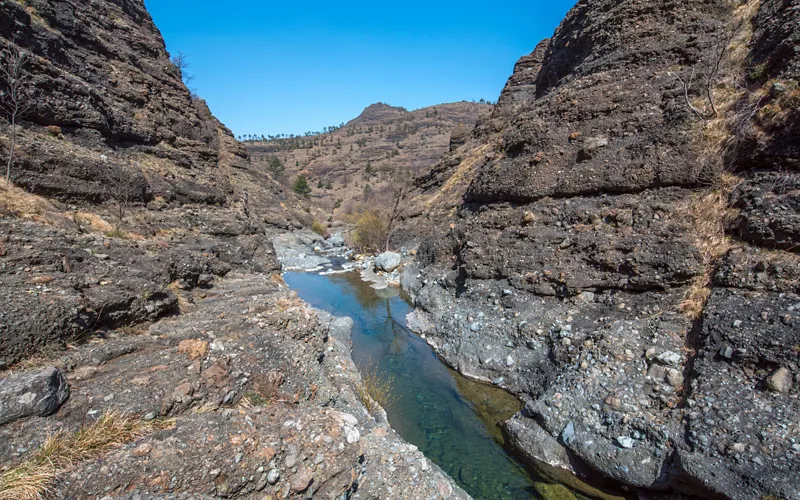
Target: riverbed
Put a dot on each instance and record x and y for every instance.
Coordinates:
(452, 419)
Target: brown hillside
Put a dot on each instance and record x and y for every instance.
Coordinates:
(365, 151)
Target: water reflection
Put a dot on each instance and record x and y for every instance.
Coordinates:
(450, 418)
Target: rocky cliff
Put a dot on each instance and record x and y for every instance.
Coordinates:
(109, 112)
(623, 255)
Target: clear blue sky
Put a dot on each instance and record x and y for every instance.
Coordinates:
(289, 67)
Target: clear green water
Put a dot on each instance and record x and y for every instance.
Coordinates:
(450, 418)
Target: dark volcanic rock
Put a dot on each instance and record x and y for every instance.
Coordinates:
(579, 271)
(520, 88)
(609, 114)
(746, 337)
(37, 393)
(769, 210)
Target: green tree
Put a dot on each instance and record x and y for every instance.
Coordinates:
(276, 165)
(301, 186)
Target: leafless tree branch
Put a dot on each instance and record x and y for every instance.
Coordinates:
(15, 94)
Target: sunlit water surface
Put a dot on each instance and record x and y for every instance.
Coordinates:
(453, 420)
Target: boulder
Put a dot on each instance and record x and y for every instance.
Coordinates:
(37, 393)
(387, 261)
(337, 240)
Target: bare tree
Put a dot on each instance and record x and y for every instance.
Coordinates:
(181, 61)
(125, 188)
(711, 68)
(15, 94)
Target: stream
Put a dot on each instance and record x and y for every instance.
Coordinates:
(452, 419)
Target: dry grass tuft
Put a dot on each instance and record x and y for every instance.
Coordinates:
(375, 389)
(33, 479)
(22, 203)
(92, 223)
(708, 214)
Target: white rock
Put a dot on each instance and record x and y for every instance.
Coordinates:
(625, 441)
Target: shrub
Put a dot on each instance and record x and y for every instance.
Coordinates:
(370, 232)
(319, 228)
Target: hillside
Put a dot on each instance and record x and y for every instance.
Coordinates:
(369, 150)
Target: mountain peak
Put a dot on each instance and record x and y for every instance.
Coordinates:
(379, 112)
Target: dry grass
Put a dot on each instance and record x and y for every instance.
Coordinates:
(184, 304)
(375, 389)
(716, 137)
(457, 183)
(33, 479)
(22, 203)
(708, 214)
(92, 223)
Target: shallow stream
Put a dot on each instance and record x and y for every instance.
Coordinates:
(452, 419)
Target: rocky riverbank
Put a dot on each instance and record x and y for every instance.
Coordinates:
(250, 378)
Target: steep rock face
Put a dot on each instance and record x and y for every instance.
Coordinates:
(101, 74)
(646, 319)
(110, 117)
(521, 85)
(610, 114)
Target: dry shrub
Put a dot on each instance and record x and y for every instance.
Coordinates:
(375, 389)
(319, 228)
(708, 214)
(781, 109)
(721, 133)
(370, 232)
(33, 478)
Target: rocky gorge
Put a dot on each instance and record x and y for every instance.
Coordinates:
(615, 245)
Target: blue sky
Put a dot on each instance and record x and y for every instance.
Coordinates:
(292, 67)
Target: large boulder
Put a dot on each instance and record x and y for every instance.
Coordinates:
(37, 393)
(387, 261)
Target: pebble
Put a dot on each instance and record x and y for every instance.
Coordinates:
(510, 361)
(351, 434)
(674, 378)
(780, 381)
(736, 448)
(273, 476)
(568, 432)
(625, 441)
(669, 358)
